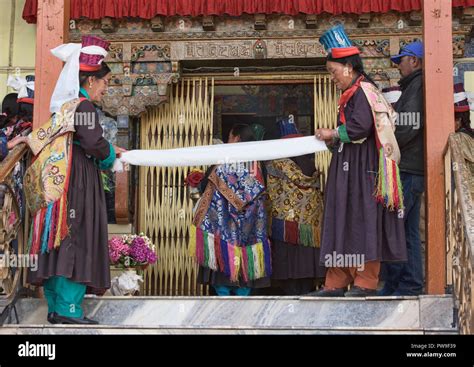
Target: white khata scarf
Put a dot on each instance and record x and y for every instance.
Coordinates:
(222, 153)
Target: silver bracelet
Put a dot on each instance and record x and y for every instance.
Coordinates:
(337, 133)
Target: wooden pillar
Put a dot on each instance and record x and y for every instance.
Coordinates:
(51, 31)
(439, 122)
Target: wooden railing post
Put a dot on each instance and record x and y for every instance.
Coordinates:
(51, 30)
(439, 123)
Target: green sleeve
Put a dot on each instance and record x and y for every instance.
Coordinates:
(342, 130)
(108, 162)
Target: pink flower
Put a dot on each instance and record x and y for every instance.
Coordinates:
(131, 250)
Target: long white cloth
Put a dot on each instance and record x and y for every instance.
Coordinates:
(222, 153)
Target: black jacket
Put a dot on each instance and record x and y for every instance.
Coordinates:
(410, 124)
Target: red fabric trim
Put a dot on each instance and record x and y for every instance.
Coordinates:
(147, 9)
(25, 100)
(346, 96)
(461, 108)
(396, 196)
(341, 52)
(84, 67)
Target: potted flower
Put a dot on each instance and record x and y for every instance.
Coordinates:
(130, 253)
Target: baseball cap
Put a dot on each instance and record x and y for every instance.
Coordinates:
(412, 49)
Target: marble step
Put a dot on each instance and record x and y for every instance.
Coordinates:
(246, 315)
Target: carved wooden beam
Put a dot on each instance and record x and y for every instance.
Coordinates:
(467, 16)
(208, 23)
(363, 21)
(311, 21)
(414, 19)
(122, 214)
(157, 24)
(108, 25)
(260, 22)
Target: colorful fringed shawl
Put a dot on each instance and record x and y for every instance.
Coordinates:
(229, 231)
(46, 180)
(388, 189)
(295, 204)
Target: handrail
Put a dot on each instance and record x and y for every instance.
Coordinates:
(13, 157)
(460, 229)
(13, 224)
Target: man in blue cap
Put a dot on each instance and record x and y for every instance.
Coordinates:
(407, 278)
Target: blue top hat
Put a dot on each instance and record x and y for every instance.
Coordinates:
(288, 128)
(335, 37)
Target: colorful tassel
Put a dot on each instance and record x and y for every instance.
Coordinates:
(244, 264)
(46, 228)
(291, 232)
(200, 246)
(236, 262)
(217, 247)
(211, 252)
(30, 237)
(278, 229)
(248, 262)
(192, 241)
(389, 189)
(205, 239)
(225, 258)
(305, 235)
(251, 265)
(268, 258)
(317, 236)
(232, 268)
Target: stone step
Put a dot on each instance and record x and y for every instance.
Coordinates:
(246, 315)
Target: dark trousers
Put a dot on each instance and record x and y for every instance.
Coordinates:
(407, 278)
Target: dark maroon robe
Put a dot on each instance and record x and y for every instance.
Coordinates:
(354, 223)
(83, 256)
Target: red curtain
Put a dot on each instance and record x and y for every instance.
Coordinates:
(147, 9)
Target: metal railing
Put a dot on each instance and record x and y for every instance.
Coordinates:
(13, 225)
(459, 189)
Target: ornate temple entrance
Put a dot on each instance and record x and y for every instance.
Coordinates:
(202, 108)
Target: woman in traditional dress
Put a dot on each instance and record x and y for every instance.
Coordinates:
(70, 235)
(295, 206)
(363, 210)
(229, 236)
(17, 113)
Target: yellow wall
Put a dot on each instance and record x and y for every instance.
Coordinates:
(23, 45)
